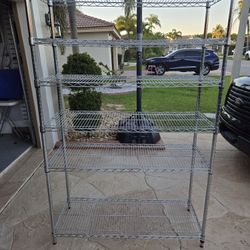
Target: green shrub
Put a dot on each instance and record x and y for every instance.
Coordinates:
(84, 98)
(81, 64)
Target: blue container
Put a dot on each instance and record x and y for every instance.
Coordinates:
(10, 85)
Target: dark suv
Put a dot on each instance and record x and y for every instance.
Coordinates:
(235, 115)
(183, 60)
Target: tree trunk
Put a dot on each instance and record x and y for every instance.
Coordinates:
(73, 26)
(240, 40)
(247, 34)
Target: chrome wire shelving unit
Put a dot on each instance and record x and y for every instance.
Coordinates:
(128, 218)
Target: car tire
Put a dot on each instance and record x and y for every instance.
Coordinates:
(160, 69)
(247, 57)
(206, 69)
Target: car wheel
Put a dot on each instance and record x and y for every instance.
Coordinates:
(160, 69)
(247, 57)
(206, 69)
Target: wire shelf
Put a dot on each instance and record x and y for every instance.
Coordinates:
(118, 157)
(128, 219)
(129, 43)
(108, 121)
(145, 3)
(177, 82)
(76, 81)
(86, 81)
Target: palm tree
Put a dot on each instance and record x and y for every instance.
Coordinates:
(128, 21)
(128, 24)
(218, 32)
(174, 34)
(72, 22)
(129, 6)
(151, 22)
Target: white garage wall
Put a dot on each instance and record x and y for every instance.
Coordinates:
(45, 66)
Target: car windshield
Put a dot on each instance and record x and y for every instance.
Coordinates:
(171, 53)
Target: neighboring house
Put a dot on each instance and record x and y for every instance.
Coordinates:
(91, 28)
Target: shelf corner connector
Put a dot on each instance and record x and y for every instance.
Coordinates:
(32, 41)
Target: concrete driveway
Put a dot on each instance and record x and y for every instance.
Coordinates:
(24, 224)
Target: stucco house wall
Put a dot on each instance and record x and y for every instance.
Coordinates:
(102, 54)
(93, 28)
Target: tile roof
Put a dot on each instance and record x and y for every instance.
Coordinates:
(85, 21)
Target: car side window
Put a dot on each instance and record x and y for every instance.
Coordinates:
(189, 54)
(179, 55)
(194, 54)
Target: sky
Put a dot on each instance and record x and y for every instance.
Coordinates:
(187, 20)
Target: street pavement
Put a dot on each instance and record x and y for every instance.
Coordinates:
(245, 67)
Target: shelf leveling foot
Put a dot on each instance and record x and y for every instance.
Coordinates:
(202, 242)
(54, 240)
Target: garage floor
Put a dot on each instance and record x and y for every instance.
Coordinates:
(11, 147)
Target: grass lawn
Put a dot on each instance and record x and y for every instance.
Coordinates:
(171, 99)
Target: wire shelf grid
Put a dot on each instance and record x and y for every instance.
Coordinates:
(144, 3)
(113, 122)
(129, 43)
(177, 81)
(108, 157)
(118, 81)
(128, 219)
(85, 81)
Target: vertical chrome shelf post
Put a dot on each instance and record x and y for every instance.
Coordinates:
(215, 134)
(139, 57)
(60, 98)
(198, 103)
